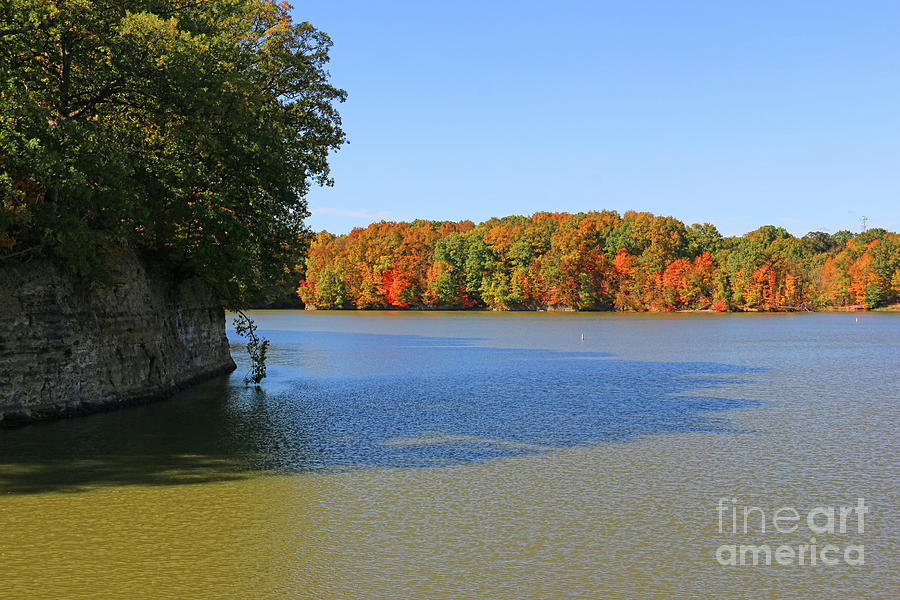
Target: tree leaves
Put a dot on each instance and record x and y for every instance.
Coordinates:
(257, 348)
(597, 261)
(193, 129)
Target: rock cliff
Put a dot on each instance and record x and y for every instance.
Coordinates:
(68, 347)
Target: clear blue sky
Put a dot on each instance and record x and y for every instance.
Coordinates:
(736, 113)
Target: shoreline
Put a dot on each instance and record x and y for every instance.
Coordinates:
(894, 308)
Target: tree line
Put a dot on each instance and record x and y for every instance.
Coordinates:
(598, 261)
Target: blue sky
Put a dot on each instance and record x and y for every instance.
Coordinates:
(736, 113)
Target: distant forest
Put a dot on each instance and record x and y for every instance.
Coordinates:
(598, 261)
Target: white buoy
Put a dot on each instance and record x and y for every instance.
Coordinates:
(582, 337)
(857, 320)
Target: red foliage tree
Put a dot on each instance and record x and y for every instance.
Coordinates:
(395, 285)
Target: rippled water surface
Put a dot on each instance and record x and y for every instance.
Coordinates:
(486, 455)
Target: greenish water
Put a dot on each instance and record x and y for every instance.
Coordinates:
(475, 455)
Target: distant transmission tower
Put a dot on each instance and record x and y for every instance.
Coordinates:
(864, 221)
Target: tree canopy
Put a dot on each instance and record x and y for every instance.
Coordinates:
(598, 261)
(192, 129)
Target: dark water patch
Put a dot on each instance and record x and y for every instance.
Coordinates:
(337, 401)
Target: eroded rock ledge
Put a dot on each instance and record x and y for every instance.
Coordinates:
(69, 348)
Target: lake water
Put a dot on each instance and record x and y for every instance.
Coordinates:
(482, 455)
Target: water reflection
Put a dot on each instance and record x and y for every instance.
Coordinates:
(339, 401)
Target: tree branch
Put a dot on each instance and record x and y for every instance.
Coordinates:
(6, 32)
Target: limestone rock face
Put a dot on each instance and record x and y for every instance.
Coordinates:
(68, 347)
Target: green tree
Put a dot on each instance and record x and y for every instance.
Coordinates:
(841, 237)
(480, 262)
(818, 242)
(191, 129)
(702, 238)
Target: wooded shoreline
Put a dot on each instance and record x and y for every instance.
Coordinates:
(780, 310)
(636, 262)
